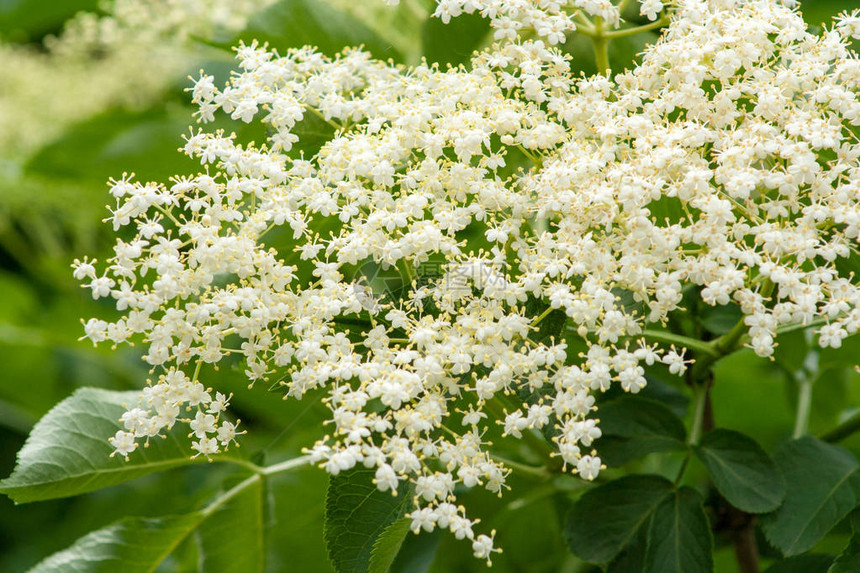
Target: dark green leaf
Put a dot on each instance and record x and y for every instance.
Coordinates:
(632, 557)
(550, 326)
(605, 519)
(633, 426)
(742, 471)
(68, 452)
(679, 536)
(453, 43)
(849, 560)
(811, 563)
(823, 486)
(666, 394)
(233, 541)
(357, 515)
(418, 552)
(719, 320)
(388, 545)
(131, 545)
(135, 544)
(296, 23)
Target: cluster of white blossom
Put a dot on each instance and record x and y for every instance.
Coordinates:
(551, 20)
(125, 56)
(727, 160)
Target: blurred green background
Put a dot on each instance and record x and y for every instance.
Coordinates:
(90, 90)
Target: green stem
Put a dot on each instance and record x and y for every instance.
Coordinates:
(228, 495)
(682, 469)
(611, 35)
(693, 344)
(804, 401)
(584, 26)
(700, 395)
(542, 316)
(259, 474)
(285, 466)
(539, 472)
(600, 42)
(728, 343)
(843, 430)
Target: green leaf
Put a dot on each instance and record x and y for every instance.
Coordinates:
(29, 20)
(742, 471)
(418, 552)
(130, 545)
(849, 560)
(233, 540)
(551, 325)
(68, 452)
(139, 545)
(791, 351)
(605, 519)
(296, 23)
(823, 486)
(357, 515)
(105, 145)
(811, 563)
(454, 42)
(679, 536)
(633, 426)
(632, 557)
(721, 319)
(388, 545)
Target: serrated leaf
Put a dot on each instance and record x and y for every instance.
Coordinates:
(388, 545)
(679, 536)
(296, 23)
(742, 471)
(454, 42)
(605, 519)
(811, 563)
(634, 426)
(357, 515)
(822, 487)
(68, 452)
(139, 545)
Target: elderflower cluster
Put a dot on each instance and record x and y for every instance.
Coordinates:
(551, 20)
(725, 161)
(127, 55)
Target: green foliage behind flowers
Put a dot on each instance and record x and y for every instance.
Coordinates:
(516, 311)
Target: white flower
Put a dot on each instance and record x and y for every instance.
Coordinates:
(486, 273)
(123, 443)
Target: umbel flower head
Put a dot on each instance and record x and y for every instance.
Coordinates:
(727, 160)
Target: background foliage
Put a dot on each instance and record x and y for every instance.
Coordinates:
(52, 196)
